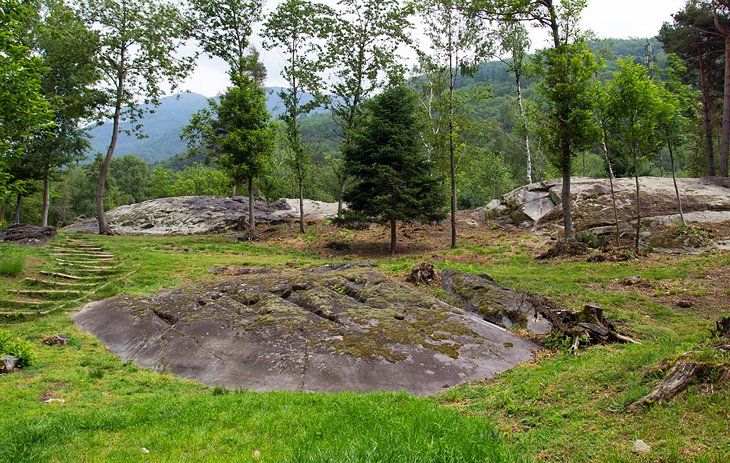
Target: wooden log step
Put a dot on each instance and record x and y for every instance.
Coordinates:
(69, 277)
(82, 262)
(48, 293)
(56, 284)
(26, 304)
(78, 248)
(86, 267)
(95, 256)
(97, 270)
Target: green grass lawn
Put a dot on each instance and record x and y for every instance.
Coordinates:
(564, 407)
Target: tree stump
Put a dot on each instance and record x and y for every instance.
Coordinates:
(423, 274)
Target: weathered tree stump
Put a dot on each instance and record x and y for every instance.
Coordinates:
(685, 371)
(423, 274)
(57, 340)
(679, 378)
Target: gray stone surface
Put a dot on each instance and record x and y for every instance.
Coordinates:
(27, 235)
(496, 303)
(320, 331)
(705, 200)
(199, 215)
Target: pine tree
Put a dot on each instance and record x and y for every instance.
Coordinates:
(395, 181)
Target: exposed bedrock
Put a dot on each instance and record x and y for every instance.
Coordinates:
(199, 215)
(326, 330)
(704, 200)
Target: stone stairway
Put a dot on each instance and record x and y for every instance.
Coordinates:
(78, 269)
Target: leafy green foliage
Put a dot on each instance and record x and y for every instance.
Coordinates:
(18, 348)
(224, 27)
(22, 107)
(394, 179)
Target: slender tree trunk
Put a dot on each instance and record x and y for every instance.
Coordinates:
(103, 228)
(610, 179)
(2, 213)
(340, 201)
(18, 208)
(452, 147)
(707, 118)
(565, 195)
(251, 215)
(521, 108)
(638, 203)
(46, 198)
(674, 178)
(234, 190)
(725, 146)
(300, 174)
(393, 237)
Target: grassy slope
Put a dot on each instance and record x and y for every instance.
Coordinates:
(564, 408)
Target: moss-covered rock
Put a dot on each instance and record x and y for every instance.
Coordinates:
(324, 330)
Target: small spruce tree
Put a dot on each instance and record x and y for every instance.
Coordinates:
(395, 181)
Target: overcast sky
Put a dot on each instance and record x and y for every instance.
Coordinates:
(607, 18)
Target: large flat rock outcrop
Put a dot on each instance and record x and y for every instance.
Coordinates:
(325, 330)
(539, 204)
(199, 215)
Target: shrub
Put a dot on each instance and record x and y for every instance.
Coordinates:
(17, 348)
(12, 265)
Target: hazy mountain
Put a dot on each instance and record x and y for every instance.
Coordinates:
(162, 127)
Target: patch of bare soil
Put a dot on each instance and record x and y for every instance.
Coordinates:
(704, 292)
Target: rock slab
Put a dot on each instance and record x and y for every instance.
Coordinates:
(27, 235)
(498, 304)
(704, 200)
(199, 215)
(326, 330)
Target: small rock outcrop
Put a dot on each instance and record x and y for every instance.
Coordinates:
(496, 303)
(27, 235)
(330, 329)
(512, 309)
(705, 200)
(199, 215)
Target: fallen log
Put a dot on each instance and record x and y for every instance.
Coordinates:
(686, 370)
(679, 378)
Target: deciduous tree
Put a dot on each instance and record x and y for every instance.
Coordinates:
(298, 28)
(139, 55)
(363, 54)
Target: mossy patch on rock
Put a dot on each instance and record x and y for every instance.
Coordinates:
(324, 330)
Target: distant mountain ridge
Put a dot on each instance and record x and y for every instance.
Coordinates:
(162, 128)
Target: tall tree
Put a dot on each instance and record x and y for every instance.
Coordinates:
(692, 37)
(23, 110)
(224, 27)
(456, 43)
(364, 58)
(68, 50)
(395, 179)
(299, 28)
(140, 41)
(515, 40)
(602, 115)
(677, 112)
(566, 70)
(634, 105)
(241, 135)
(721, 16)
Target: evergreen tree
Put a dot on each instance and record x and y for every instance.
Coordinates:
(395, 181)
